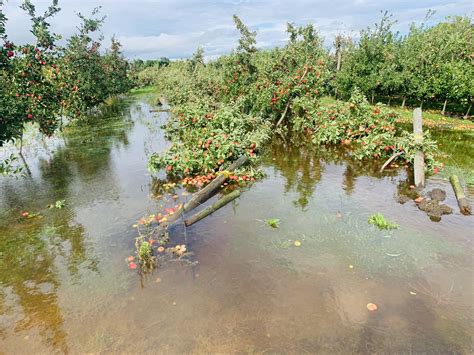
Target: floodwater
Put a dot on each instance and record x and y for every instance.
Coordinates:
(245, 287)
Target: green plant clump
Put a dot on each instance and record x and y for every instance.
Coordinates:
(379, 220)
(273, 222)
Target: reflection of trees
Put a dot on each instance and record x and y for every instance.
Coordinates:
(28, 270)
(299, 165)
(32, 251)
(302, 164)
(87, 148)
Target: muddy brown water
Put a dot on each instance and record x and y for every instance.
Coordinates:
(245, 287)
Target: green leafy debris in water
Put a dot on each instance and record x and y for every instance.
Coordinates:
(58, 204)
(273, 222)
(379, 220)
(145, 254)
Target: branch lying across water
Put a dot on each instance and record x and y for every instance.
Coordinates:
(389, 160)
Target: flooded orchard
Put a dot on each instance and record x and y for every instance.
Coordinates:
(246, 287)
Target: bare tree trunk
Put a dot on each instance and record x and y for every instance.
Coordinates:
(28, 171)
(339, 58)
(403, 102)
(444, 107)
(372, 100)
(389, 100)
(468, 111)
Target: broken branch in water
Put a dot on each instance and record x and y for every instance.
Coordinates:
(389, 160)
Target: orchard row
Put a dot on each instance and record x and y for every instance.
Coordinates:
(233, 105)
(428, 65)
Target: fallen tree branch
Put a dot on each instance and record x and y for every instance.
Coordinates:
(284, 113)
(211, 209)
(389, 160)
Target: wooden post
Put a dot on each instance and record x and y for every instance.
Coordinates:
(443, 111)
(211, 209)
(419, 163)
(463, 203)
(202, 195)
(468, 110)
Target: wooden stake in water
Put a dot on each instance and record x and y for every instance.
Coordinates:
(419, 163)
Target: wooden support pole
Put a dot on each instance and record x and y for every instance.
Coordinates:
(204, 194)
(463, 203)
(211, 189)
(211, 209)
(419, 163)
(389, 160)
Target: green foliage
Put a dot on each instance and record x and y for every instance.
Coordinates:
(379, 221)
(9, 166)
(369, 131)
(145, 254)
(58, 204)
(273, 222)
(430, 63)
(205, 139)
(43, 82)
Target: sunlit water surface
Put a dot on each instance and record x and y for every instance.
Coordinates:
(65, 285)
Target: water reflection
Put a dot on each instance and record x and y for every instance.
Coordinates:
(40, 254)
(303, 164)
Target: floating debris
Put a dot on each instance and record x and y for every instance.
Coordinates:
(273, 222)
(372, 307)
(379, 220)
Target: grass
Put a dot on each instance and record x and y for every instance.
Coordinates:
(430, 118)
(144, 90)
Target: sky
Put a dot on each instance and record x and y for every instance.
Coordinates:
(151, 29)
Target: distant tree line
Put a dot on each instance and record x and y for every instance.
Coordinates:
(428, 65)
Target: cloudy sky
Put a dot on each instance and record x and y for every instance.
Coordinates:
(166, 28)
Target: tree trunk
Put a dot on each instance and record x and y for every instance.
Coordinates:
(444, 107)
(389, 100)
(339, 58)
(468, 111)
(403, 102)
(213, 208)
(372, 100)
(464, 206)
(25, 164)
